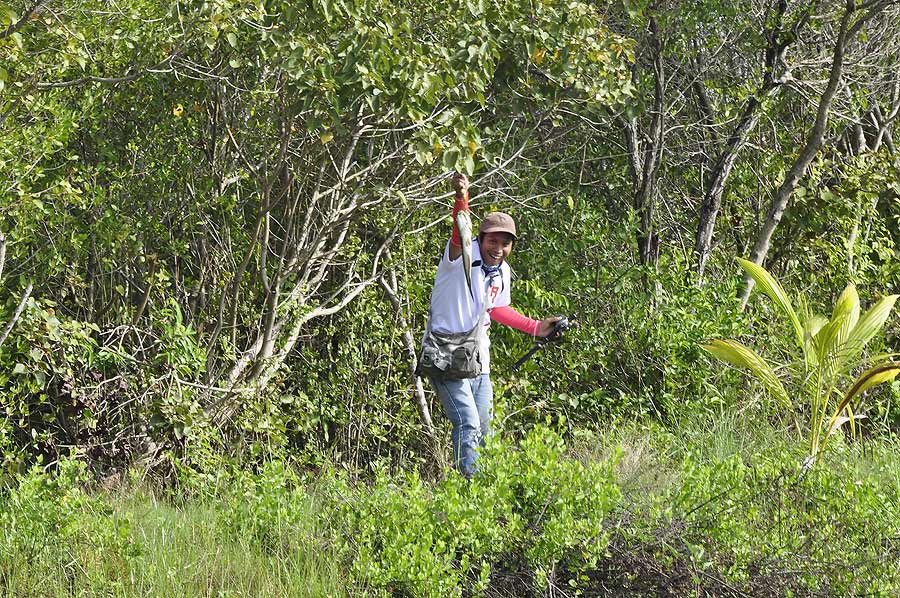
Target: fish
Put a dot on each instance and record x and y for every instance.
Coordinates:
(464, 226)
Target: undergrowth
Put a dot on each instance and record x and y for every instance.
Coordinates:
(644, 510)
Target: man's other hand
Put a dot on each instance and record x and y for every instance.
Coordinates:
(547, 324)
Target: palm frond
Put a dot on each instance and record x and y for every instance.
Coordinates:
(742, 356)
(771, 287)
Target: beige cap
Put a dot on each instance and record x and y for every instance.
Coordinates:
(498, 222)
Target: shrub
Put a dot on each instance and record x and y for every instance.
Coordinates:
(760, 523)
(530, 513)
(269, 509)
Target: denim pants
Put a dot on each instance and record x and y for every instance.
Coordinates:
(468, 405)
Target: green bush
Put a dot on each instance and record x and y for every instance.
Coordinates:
(269, 509)
(740, 516)
(758, 523)
(530, 513)
(43, 372)
(631, 356)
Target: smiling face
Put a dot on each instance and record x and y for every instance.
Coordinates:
(495, 247)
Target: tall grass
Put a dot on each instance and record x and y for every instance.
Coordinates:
(186, 552)
(61, 541)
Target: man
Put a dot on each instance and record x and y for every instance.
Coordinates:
(455, 308)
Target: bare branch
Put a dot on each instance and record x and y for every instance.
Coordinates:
(18, 312)
(390, 288)
(107, 80)
(2, 253)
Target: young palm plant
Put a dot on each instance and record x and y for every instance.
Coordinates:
(831, 349)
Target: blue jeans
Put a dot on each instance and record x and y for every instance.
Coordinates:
(468, 405)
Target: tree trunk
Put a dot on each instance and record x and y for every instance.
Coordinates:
(712, 200)
(807, 154)
(750, 115)
(645, 156)
(390, 290)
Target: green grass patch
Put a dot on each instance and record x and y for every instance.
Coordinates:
(60, 540)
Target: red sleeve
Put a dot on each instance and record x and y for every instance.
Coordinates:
(460, 205)
(507, 316)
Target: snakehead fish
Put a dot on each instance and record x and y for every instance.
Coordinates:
(464, 226)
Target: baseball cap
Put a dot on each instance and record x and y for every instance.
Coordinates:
(498, 222)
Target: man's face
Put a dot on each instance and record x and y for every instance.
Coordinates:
(495, 248)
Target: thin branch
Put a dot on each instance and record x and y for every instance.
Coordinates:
(18, 312)
(13, 27)
(107, 80)
(2, 253)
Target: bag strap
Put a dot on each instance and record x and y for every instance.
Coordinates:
(484, 303)
(481, 316)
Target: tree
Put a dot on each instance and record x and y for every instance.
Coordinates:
(779, 36)
(245, 167)
(852, 19)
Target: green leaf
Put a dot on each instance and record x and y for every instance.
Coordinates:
(451, 157)
(830, 340)
(879, 374)
(742, 356)
(634, 8)
(813, 325)
(771, 287)
(232, 39)
(868, 326)
(469, 165)
(847, 306)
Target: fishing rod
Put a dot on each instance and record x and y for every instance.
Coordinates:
(564, 323)
(555, 335)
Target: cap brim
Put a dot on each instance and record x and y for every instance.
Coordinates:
(498, 230)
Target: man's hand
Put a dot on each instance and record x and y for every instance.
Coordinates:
(460, 183)
(547, 324)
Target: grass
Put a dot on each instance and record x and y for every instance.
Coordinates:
(171, 551)
(187, 553)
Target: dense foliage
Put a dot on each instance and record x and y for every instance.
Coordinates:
(204, 203)
(219, 225)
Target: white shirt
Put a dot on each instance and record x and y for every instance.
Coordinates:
(453, 309)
